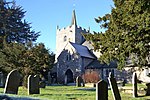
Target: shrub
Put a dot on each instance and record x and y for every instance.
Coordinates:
(91, 77)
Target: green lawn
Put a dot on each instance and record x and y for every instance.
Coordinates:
(72, 93)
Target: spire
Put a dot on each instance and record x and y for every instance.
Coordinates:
(73, 22)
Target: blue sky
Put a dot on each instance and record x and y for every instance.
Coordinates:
(45, 15)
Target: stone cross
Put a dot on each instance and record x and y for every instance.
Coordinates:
(114, 87)
(33, 84)
(12, 82)
(134, 85)
(79, 81)
(101, 90)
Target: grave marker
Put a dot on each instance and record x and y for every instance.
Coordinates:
(33, 84)
(2, 79)
(101, 90)
(114, 87)
(49, 78)
(79, 81)
(65, 80)
(148, 89)
(12, 82)
(134, 85)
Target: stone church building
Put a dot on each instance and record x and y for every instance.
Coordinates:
(75, 55)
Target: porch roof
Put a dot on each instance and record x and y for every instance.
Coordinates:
(97, 65)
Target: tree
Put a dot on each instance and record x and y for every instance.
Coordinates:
(28, 60)
(12, 26)
(36, 59)
(10, 57)
(127, 34)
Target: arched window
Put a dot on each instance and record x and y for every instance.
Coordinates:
(68, 57)
(65, 38)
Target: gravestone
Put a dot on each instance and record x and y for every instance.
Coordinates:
(65, 80)
(134, 85)
(12, 82)
(49, 78)
(1, 79)
(114, 87)
(42, 83)
(148, 89)
(101, 90)
(79, 81)
(33, 84)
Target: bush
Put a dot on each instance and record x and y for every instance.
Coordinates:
(91, 77)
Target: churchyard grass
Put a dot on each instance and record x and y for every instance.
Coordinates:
(72, 93)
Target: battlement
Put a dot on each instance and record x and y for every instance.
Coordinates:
(65, 28)
(83, 29)
(69, 27)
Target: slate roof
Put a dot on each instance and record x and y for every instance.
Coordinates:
(83, 50)
(97, 65)
(88, 44)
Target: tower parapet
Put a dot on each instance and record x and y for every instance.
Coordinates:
(70, 27)
(82, 29)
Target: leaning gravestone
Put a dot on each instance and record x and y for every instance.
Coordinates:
(134, 85)
(79, 81)
(12, 82)
(33, 84)
(114, 87)
(101, 90)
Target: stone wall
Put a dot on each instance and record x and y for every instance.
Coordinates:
(76, 65)
(69, 32)
(79, 39)
(63, 66)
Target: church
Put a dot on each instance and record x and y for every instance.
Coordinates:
(75, 55)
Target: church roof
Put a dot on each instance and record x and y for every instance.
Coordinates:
(83, 50)
(97, 65)
(88, 44)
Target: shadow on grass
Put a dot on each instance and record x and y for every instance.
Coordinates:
(63, 94)
(143, 96)
(86, 89)
(6, 97)
(72, 98)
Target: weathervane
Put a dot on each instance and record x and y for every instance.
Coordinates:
(74, 4)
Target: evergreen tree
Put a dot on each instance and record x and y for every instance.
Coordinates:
(36, 59)
(28, 60)
(127, 34)
(10, 57)
(13, 27)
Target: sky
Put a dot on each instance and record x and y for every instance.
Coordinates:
(45, 15)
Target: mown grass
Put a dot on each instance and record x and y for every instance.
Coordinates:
(72, 93)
